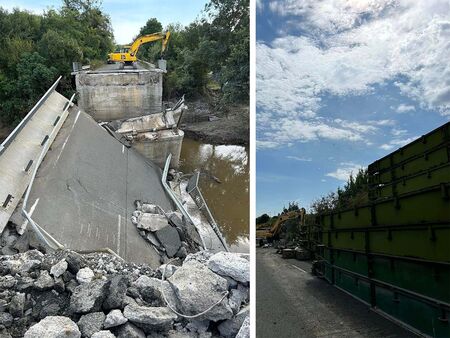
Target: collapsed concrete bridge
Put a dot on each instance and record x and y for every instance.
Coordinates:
(83, 196)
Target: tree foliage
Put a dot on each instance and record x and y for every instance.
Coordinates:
(354, 193)
(264, 218)
(39, 48)
(210, 54)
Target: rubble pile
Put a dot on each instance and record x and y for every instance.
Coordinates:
(67, 294)
(169, 233)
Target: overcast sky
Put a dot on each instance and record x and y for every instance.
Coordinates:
(341, 83)
(127, 16)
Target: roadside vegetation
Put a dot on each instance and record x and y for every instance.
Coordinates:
(208, 58)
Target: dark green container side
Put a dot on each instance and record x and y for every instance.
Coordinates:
(431, 279)
(423, 315)
(408, 184)
(420, 315)
(429, 242)
(431, 205)
(423, 144)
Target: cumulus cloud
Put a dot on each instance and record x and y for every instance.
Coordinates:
(404, 108)
(348, 47)
(343, 172)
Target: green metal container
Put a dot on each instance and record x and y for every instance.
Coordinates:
(422, 314)
(428, 278)
(407, 184)
(420, 146)
(428, 242)
(419, 163)
(426, 206)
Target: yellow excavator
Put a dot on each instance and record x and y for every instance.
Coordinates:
(266, 233)
(127, 54)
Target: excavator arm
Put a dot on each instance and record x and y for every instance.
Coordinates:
(150, 38)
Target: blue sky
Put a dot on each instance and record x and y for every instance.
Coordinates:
(341, 83)
(128, 16)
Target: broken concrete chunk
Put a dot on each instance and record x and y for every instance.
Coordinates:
(75, 262)
(91, 323)
(152, 222)
(59, 268)
(7, 282)
(148, 288)
(88, 297)
(237, 297)
(6, 319)
(244, 331)
(231, 265)
(17, 305)
(160, 318)
(231, 327)
(115, 298)
(114, 318)
(197, 289)
(167, 269)
(169, 239)
(103, 334)
(85, 275)
(54, 327)
(149, 208)
(130, 331)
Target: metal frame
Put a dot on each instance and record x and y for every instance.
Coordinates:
(194, 191)
(175, 199)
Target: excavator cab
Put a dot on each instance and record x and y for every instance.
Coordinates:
(126, 55)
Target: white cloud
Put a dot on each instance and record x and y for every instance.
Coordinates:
(351, 46)
(398, 132)
(397, 143)
(301, 159)
(345, 170)
(403, 108)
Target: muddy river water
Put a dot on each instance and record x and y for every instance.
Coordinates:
(229, 199)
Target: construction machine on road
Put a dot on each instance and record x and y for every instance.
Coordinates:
(267, 232)
(126, 55)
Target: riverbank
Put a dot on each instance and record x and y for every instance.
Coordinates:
(202, 122)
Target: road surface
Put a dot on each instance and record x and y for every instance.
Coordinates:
(290, 302)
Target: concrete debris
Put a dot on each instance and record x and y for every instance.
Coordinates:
(231, 327)
(152, 222)
(119, 299)
(244, 331)
(85, 275)
(88, 297)
(54, 327)
(198, 288)
(59, 268)
(114, 318)
(103, 334)
(91, 323)
(230, 265)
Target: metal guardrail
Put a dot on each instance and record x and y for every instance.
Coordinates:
(33, 110)
(40, 232)
(176, 200)
(194, 191)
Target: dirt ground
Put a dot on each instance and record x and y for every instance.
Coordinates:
(201, 121)
(4, 132)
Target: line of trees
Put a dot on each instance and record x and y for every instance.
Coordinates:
(213, 50)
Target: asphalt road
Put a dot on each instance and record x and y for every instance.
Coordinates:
(290, 302)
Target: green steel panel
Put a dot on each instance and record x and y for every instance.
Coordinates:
(353, 285)
(421, 242)
(425, 278)
(427, 206)
(428, 317)
(419, 315)
(431, 159)
(431, 280)
(424, 144)
(407, 184)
